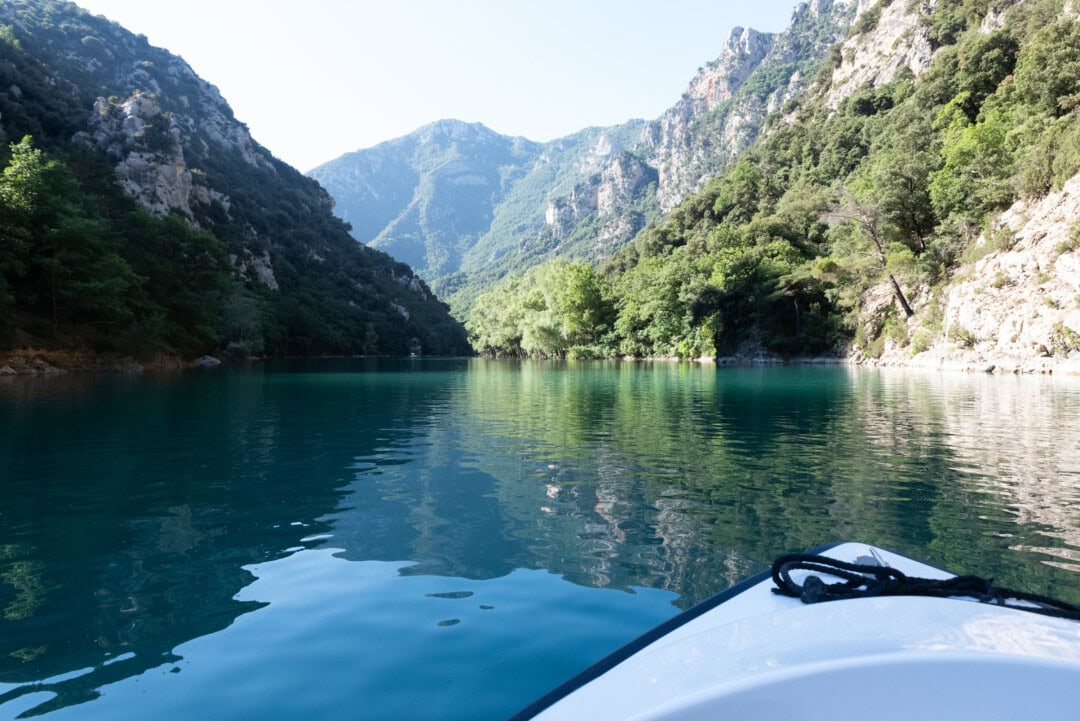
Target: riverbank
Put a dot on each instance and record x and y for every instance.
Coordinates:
(948, 360)
(44, 362)
(41, 361)
(974, 362)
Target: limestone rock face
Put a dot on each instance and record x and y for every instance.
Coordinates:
(1017, 309)
(150, 164)
(412, 282)
(720, 114)
(995, 17)
(147, 131)
(162, 129)
(897, 40)
(607, 198)
(147, 145)
(566, 212)
(618, 182)
(723, 109)
(1019, 305)
(716, 82)
(256, 267)
(678, 154)
(150, 135)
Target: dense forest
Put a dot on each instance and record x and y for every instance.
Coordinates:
(892, 189)
(255, 265)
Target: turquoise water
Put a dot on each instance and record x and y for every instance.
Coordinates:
(447, 539)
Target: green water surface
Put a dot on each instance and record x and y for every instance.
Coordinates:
(447, 539)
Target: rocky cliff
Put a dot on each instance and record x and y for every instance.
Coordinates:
(606, 198)
(1017, 308)
(888, 36)
(724, 108)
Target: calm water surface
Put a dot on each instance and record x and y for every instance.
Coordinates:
(439, 539)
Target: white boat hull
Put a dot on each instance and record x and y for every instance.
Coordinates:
(752, 654)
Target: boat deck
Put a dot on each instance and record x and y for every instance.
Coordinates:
(752, 654)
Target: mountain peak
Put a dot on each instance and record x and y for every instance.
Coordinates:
(454, 130)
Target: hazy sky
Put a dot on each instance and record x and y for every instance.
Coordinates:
(317, 78)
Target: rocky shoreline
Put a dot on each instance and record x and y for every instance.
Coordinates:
(34, 362)
(972, 362)
(39, 362)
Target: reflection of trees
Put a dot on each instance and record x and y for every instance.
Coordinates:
(613, 474)
(884, 461)
(688, 478)
(685, 477)
(132, 506)
(1015, 439)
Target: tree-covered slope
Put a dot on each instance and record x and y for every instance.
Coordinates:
(581, 197)
(855, 212)
(140, 216)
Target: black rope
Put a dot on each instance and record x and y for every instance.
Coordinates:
(863, 580)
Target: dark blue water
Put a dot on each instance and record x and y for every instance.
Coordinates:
(449, 539)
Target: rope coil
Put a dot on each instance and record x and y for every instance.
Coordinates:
(865, 581)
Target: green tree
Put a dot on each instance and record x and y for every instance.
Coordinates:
(241, 325)
(496, 319)
(984, 61)
(24, 179)
(59, 258)
(554, 310)
(1048, 69)
(740, 192)
(581, 300)
(187, 274)
(978, 163)
(896, 179)
(655, 306)
(867, 230)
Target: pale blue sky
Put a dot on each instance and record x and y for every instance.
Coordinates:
(317, 78)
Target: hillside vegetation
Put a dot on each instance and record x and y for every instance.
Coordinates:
(890, 190)
(137, 215)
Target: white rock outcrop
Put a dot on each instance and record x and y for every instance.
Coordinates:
(897, 40)
(145, 143)
(716, 118)
(1017, 309)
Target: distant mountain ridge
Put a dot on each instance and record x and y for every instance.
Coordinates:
(421, 196)
(446, 197)
(490, 205)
